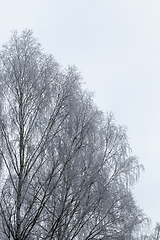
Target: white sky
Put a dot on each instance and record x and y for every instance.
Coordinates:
(116, 46)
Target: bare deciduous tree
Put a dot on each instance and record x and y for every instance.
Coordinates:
(67, 169)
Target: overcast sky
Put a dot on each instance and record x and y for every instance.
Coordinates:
(115, 44)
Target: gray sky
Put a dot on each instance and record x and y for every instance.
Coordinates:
(116, 46)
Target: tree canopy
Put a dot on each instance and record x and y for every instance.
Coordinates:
(66, 167)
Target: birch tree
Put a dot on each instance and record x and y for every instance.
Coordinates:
(67, 169)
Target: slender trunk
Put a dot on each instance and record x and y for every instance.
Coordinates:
(21, 165)
(18, 217)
